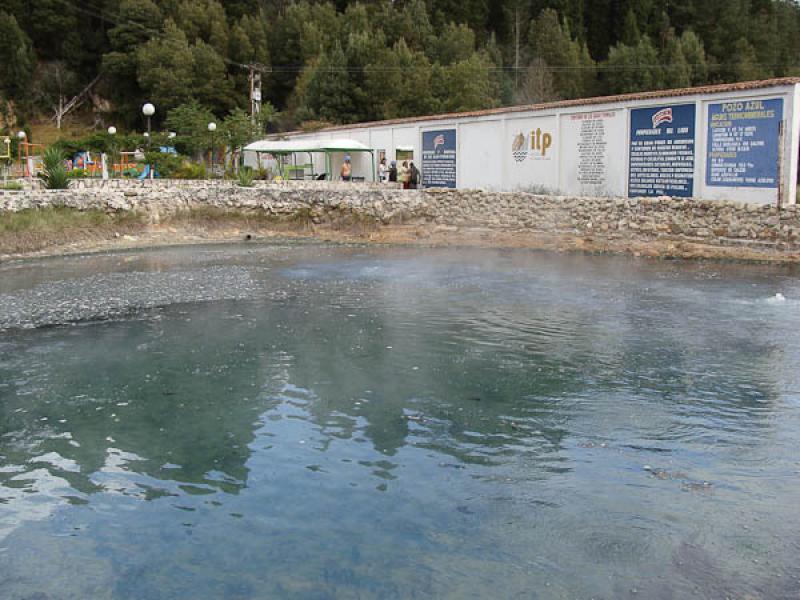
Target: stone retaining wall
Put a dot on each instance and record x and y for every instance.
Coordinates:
(710, 222)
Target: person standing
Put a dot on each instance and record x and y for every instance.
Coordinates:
(393, 172)
(383, 172)
(404, 175)
(347, 169)
(413, 177)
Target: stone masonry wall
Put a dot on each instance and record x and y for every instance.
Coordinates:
(711, 222)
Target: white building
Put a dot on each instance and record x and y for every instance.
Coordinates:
(734, 142)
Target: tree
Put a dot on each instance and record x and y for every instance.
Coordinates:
(454, 44)
(19, 62)
(676, 72)
(362, 47)
(630, 29)
(745, 65)
(412, 25)
(211, 85)
(239, 130)
(204, 20)
(695, 56)
(400, 82)
(165, 68)
(466, 85)
(190, 122)
(633, 68)
(550, 41)
(328, 94)
(537, 84)
(49, 24)
(138, 22)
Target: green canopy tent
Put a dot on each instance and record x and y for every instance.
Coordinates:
(311, 147)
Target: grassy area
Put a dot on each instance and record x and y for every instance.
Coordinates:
(36, 229)
(33, 229)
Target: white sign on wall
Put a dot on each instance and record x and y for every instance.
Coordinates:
(593, 153)
(530, 152)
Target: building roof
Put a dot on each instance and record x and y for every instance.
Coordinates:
(578, 102)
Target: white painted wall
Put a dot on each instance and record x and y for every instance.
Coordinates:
(479, 164)
(486, 157)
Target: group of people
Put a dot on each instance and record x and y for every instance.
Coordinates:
(407, 173)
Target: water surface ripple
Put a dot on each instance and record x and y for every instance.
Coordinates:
(312, 421)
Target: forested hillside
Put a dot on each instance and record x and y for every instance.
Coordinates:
(348, 61)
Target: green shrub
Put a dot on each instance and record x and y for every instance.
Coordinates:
(166, 165)
(12, 186)
(190, 170)
(78, 173)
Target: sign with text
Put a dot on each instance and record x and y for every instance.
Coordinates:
(662, 149)
(593, 146)
(439, 159)
(743, 143)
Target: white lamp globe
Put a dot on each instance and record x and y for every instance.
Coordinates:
(148, 110)
(22, 135)
(112, 130)
(172, 134)
(147, 135)
(212, 127)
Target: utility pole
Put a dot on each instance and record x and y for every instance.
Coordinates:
(255, 92)
(516, 48)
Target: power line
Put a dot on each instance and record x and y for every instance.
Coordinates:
(296, 69)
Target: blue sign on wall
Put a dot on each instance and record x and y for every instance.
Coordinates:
(662, 151)
(439, 158)
(743, 143)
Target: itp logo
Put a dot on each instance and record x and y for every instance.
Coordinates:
(533, 146)
(662, 116)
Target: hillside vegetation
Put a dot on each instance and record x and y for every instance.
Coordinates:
(347, 61)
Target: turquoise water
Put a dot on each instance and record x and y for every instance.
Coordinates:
(306, 421)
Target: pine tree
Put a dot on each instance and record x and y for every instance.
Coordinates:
(400, 82)
(676, 72)
(328, 95)
(165, 68)
(550, 41)
(695, 56)
(745, 66)
(466, 85)
(633, 68)
(17, 68)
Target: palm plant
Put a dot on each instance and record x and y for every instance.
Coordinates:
(55, 175)
(245, 177)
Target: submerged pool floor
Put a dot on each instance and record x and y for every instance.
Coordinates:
(310, 421)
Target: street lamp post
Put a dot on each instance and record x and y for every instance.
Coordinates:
(212, 127)
(21, 137)
(148, 110)
(112, 131)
